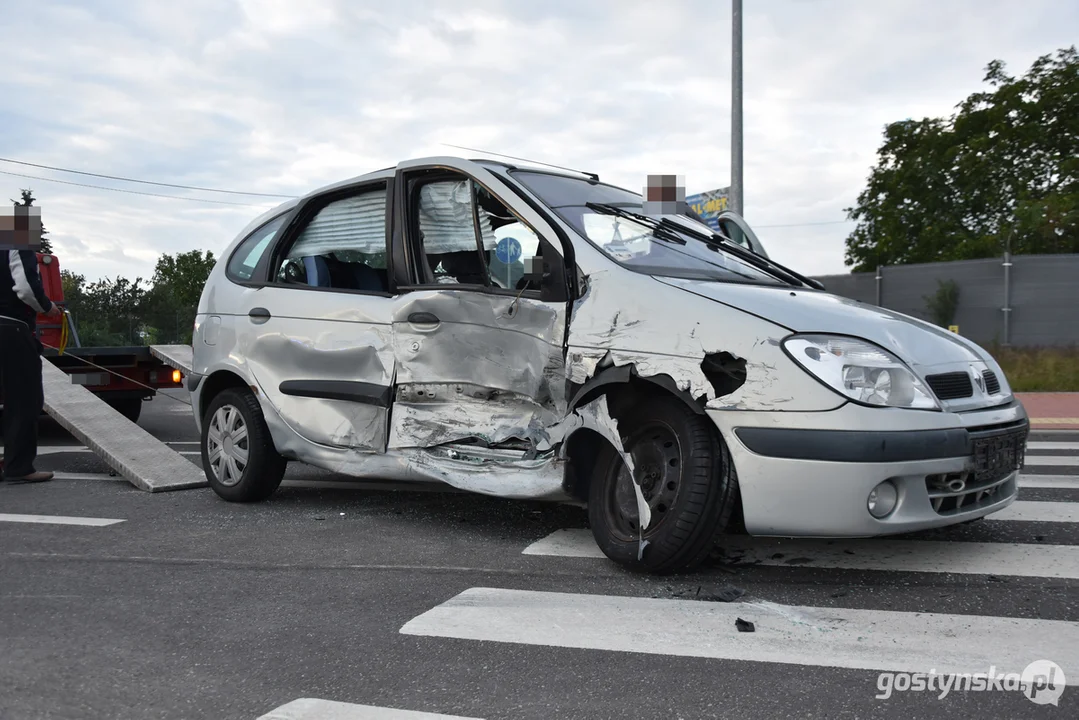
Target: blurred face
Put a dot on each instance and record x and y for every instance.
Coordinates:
(665, 195)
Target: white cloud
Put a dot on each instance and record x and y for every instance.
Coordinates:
(278, 96)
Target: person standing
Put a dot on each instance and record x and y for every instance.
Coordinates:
(22, 297)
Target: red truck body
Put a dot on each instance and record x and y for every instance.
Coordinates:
(123, 376)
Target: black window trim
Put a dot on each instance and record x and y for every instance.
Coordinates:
(302, 215)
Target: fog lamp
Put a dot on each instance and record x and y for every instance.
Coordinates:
(882, 499)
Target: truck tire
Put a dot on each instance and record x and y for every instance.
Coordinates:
(238, 454)
(131, 408)
(687, 478)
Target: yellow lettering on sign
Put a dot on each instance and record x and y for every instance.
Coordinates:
(954, 329)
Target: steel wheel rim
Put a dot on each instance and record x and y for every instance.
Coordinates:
(227, 445)
(657, 457)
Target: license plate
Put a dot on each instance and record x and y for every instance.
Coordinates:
(996, 457)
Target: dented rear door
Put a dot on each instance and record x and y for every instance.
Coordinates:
(317, 334)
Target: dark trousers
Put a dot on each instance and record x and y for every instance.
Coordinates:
(20, 375)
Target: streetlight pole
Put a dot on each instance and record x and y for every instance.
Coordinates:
(736, 199)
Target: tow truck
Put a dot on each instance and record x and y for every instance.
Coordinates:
(121, 376)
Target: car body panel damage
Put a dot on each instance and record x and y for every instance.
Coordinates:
(324, 352)
(660, 330)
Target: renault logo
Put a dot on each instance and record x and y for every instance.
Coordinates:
(978, 379)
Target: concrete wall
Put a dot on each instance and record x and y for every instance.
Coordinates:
(1044, 296)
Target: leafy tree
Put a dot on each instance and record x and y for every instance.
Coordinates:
(1002, 173)
(172, 302)
(27, 201)
(106, 312)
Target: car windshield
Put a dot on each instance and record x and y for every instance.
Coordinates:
(592, 209)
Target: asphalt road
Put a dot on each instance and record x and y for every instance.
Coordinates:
(192, 607)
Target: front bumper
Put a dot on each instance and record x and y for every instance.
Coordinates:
(810, 474)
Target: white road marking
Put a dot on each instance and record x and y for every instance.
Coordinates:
(1067, 482)
(182, 442)
(190, 452)
(930, 556)
(315, 709)
(828, 637)
(1037, 511)
(1053, 460)
(57, 520)
(1052, 445)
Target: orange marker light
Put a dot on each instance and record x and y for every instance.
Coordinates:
(176, 376)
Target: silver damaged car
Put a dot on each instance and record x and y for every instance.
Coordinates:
(536, 334)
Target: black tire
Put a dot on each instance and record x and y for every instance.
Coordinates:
(131, 408)
(261, 475)
(689, 483)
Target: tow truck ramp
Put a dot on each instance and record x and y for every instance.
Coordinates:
(178, 357)
(143, 460)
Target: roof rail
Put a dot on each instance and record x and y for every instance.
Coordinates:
(594, 176)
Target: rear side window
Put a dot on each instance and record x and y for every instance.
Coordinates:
(343, 247)
(242, 264)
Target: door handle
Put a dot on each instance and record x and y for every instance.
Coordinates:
(259, 314)
(423, 318)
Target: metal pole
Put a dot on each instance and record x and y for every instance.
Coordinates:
(736, 107)
(880, 277)
(1007, 297)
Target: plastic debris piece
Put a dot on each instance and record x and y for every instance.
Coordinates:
(727, 593)
(744, 625)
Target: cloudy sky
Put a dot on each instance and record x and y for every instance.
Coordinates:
(282, 96)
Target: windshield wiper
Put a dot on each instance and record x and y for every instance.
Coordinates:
(660, 230)
(757, 261)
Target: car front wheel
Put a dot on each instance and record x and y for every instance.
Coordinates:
(238, 455)
(687, 479)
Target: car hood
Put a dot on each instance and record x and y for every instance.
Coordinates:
(919, 343)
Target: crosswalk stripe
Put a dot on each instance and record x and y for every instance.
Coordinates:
(1053, 460)
(57, 520)
(881, 640)
(930, 556)
(1067, 482)
(316, 709)
(1052, 445)
(1037, 511)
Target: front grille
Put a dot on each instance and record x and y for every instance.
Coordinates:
(951, 386)
(992, 385)
(957, 493)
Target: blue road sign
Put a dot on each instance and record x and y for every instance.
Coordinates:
(508, 250)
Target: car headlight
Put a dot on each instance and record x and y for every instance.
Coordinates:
(860, 370)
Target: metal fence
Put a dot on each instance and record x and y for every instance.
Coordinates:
(1024, 300)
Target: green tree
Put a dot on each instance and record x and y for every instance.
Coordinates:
(172, 302)
(106, 312)
(27, 201)
(1002, 173)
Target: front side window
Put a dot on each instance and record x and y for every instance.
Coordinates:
(248, 253)
(469, 237)
(634, 244)
(342, 247)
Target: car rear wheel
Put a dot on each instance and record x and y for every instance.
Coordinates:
(238, 455)
(687, 478)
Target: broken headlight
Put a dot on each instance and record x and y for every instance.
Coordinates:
(860, 370)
